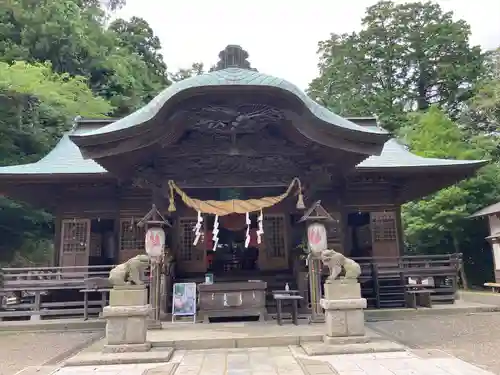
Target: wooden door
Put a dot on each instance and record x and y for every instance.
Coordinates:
(273, 253)
(75, 244)
(384, 234)
(132, 240)
(334, 233)
(190, 258)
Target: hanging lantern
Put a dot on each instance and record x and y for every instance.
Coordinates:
(316, 238)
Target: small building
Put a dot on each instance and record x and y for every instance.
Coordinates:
(492, 213)
(231, 133)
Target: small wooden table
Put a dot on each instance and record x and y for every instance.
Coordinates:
(289, 292)
(279, 298)
(86, 292)
(416, 295)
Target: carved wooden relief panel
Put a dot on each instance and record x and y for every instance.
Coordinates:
(222, 160)
(238, 118)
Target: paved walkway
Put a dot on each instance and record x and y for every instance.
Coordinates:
(290, 361)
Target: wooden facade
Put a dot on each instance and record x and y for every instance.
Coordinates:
(237, 129)
(104, 233)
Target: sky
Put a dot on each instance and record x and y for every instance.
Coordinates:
(280, 36)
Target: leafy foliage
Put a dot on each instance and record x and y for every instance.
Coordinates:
(440, 223)
(407, 56)
(195, 70)
(36, 107)
(121, 63)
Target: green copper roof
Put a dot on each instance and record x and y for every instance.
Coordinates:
(395, 155)
(66, 159)
(230, 77)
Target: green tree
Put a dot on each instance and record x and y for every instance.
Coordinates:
(36, 107)
(72, 36)
(407, 56)
(195, 70)
(138, 37)
(440, 223)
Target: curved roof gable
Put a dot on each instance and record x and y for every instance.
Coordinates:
(231, 77)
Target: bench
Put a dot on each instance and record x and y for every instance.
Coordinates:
(494, 286)
(279, 298)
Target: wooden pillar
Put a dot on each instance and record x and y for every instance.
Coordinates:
(57, 239)
(344, 232)
(117, 223)
(400, 232)
(315, 270)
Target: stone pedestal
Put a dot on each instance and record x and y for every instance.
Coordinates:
(345, 324)
(127, 319)
(344, 316)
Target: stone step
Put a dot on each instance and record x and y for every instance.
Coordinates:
(98, 358)
(378, 346)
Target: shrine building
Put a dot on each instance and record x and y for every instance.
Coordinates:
(231, 135)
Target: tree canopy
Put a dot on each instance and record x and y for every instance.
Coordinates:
(407, 56)
(413, 66)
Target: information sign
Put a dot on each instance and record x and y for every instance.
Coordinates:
(184, 300)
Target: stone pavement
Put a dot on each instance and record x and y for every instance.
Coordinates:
(290, 361)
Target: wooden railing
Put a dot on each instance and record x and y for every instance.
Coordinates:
(384, 279)
(47, 291)
(54, 291)
(15, 279)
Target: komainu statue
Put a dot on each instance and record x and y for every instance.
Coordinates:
(129, 272)
(336, 262)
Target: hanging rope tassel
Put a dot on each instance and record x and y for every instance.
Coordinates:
(300, 201)
(171, 198)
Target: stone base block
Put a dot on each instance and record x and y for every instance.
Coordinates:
(342, 289)
(126, 325)
(154, 324)
(128, 295)
(126, 348)
(329, 340)
(99, 358)
(344, 317)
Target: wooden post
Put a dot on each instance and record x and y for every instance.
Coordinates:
(315, 270)
(400, 232)
(154, 219)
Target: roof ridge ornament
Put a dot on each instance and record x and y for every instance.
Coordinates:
(233, 56)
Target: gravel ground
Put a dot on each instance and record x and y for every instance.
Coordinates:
(475, 338)
(20, 350)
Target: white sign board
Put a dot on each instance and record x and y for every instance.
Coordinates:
(155, 242)
(316, 238)
(184, 300)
